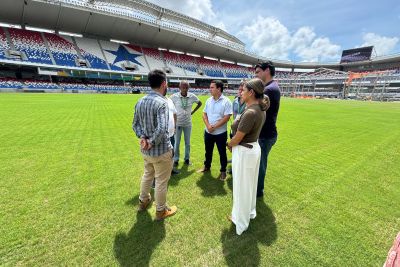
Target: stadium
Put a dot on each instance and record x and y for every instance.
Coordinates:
(70, 74)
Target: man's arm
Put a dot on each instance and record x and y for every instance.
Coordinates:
(197, 107)
(162, 125)
(236, 139)
(137, 128)
(222, 121)
(210, 129)
(175, 118)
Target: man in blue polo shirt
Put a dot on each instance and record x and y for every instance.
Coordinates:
(216, 114)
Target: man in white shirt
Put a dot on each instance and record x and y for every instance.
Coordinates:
(216, 114)
(172, 117)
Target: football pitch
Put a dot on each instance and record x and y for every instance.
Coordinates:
(70, 170)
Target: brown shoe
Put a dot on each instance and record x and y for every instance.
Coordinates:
(143, 205)
(168, 211)
(222, 176)
(204, 169)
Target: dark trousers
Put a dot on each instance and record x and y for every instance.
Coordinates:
(220, 140)
(266, 145)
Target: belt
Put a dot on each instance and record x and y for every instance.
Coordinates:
(246, 145)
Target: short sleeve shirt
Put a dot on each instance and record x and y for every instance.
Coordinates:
(171, 122)
(183, 105)
(250, 122)
(216, 110)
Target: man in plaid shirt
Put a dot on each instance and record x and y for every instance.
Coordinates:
(150, 123)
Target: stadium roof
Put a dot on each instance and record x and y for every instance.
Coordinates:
(140, 22)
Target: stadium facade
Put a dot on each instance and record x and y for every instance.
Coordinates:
(110, 46)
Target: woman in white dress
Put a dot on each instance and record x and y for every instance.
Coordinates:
(246, 153)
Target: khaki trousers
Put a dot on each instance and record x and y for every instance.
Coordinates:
(158, 168)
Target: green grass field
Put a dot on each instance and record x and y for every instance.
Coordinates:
(70, 170)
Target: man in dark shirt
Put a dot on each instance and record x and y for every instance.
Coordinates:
(268, 136)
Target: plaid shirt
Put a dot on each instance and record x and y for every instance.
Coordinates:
(151, 121)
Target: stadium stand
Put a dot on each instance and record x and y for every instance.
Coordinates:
(120, 56)
(234, 71)
(9, 83)
(144, 67)
(174, 63)
(3, 43)
(109, 88)
(286, 75)
(189, 63)
(105, 64)
(62, 49)
(33, 84)
(153, 58)
(210, 67)
(32, 44)
(90, 50)
(73, 86)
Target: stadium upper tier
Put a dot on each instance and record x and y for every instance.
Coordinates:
(48, 49)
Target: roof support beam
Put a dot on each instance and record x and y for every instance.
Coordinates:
(22, 20)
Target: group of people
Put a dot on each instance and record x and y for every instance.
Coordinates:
(160, 121)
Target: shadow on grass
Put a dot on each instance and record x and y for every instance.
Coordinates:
(243, 250)
(184, 173)
(229, 182)
(211, 186)
(133, 201)
(136, 247)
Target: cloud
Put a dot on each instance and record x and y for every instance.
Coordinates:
(198, 9)
(383, 45)
(270, 38)
(315, 49)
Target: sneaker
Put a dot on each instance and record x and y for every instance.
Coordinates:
(187, 162)
(176, 163)
(168, 211)
(222, 176)
(204, 169)
(143, 205)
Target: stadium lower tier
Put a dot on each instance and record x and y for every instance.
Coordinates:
(338, 89)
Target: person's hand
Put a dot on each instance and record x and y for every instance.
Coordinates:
(149, 145)
(145, 144)
(229, 147)
(210, 128)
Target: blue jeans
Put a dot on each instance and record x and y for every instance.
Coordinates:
(266, 145)
(187, 131)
